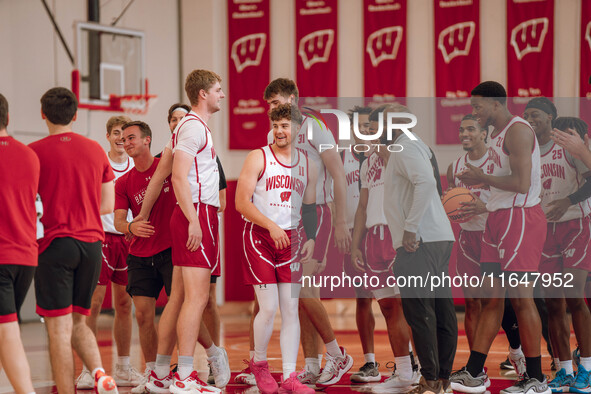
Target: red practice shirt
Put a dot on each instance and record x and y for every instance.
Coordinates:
(73, 169)
(130, 190)
(19, 175)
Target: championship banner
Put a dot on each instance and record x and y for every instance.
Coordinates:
(385, 50)
(316, 50)
(530, 51)
(457, 64)
(585, 88)
(248, 44)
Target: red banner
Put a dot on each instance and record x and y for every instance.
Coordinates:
(585, 89)
(530, 51)
(316, 48)
(248, 57)
(385, 49)
(457, 63)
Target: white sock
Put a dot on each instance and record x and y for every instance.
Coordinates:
(320, 358)
(556, 362)
(151, 365)
(185, 367)
(404, 367)
(94, 371)
(586, 363)
(288, 368)
(162, 366)
(262, 327)
(251, 354)
(568, 366)
(515, 353)
(312, 365)
(333, 349)
(212, 351)
(123, 361)
(370, 357)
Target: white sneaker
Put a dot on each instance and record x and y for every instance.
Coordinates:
(395, 384)
(334, 369)
(308, 377)
(518, 363)
(220, 367)
(127, 376)
(192, 384)
(246, 376)
(141, 387)
(85, 381)
(156, 385)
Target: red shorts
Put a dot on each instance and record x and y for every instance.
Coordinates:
(512, 237)
(323, 232)
(566, 246)
(207, 255)
(267, 264)
(468, 255)
(114, 268)
(379, 254)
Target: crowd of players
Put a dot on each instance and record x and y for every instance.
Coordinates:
(144, 223)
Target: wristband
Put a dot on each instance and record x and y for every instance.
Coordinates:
(129, 228)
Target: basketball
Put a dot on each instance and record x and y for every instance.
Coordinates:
(452, 203)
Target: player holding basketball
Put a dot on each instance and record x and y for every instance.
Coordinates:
(277, 182)
(313, 315)
(18, 248)
(473, 138)
(508, 248)
(194, 231)
(70, 251)
(566, 188)
(114, 272)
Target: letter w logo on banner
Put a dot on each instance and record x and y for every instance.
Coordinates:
(456, 40)
(383, 44)
(315, 47)
(529, 36)
(248, 50)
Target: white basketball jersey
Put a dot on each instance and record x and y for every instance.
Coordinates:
(372, 178)
(503, 199)
(351, 165)
(192, 136)
(478, 222)
(311, 148)
(559, 179)
(119, 169)
(279, 192)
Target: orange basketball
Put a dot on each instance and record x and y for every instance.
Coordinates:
(452, 203)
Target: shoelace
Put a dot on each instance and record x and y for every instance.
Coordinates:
(368, 366)
(331, 364)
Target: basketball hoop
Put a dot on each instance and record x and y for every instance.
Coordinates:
(133, 104)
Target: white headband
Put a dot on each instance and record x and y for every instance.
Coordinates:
(179, 109)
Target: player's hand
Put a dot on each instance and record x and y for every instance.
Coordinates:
(357, 260)
(571, 141)
(409, 241)
(142, 229)
(320, 266)
(559, 208)
(195, 236)
(307, 251)
(279, 236)
(474, 207)
(128, 237)
(342, 238)
(472, 176)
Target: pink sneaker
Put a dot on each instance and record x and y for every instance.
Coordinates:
(265, 382)
(293, 385)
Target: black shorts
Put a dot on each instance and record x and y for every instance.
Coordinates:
(15, 281)
(66, 277)
(147, 275)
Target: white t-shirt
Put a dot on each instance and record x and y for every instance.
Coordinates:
(119, 169)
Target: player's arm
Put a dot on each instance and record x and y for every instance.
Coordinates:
(309, 214)
(451, 182)
(107, 197)
(163, 170)
(559, 207)
(333, 163)
(359, 229)
(251, 170)
(222, 200)
(571, 141)
(519, 142)
(182, 190)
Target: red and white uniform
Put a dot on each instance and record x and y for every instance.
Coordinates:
(19, 170)
(115, 247)
(379, 251)
(278, 195)
(70, 188)
(352, 169)
(516, 222)
(470, 237)
(192, 136)
(567, 240)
